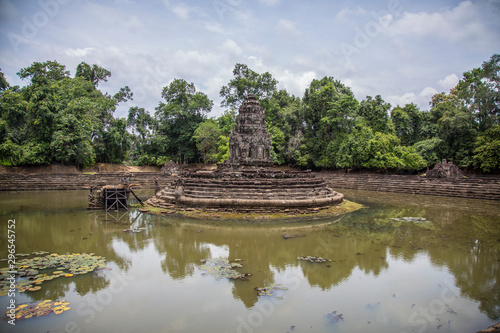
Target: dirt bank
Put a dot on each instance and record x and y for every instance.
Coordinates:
(67, 169)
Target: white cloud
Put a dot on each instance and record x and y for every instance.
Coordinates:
(231, 47)
(457, 25)
(182, 10)
(402, 100)
(78, 52)
(270, 2)
(287, 26)
(215, 27)
(344, 12)
(448, 82)
(295, 83)
(428, 92)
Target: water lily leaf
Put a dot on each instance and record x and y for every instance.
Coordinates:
(35, 288)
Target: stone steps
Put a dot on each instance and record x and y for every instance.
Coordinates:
(32, 182)
(470, 187)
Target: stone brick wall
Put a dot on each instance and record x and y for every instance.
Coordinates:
(470, 187)
(45, 181)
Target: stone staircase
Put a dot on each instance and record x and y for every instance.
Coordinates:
(49, 181)
(474, 187)
(237, 192)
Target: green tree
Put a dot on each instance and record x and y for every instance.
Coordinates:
(407, 123)
(178, 117)
(487, 151)
(245, 82)
(207, 137)
(226, 122)
(283, 121)
(114, 143)
(93, 73)
(3, 82)
(54, 118)
(375, 111)
(479, 92)
(142, 125)
(328, 116)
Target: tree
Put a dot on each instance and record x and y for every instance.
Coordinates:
(407, 123)
(184, 109)
(226, 122)
(55, 118)
(40, 72)
(479, 92)
(245, 82)
(142, 125)
(3, 82)
(93, 73)
(376, 114)
(207, 137)
(487, 151)
(328, 115)
(282, 118)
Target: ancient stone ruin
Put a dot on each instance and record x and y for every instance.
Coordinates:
(250, 142)
(247, 181)
(445, 169)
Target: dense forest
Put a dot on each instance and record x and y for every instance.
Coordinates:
(59, 118)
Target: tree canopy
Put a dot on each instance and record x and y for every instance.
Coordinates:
(59, 118)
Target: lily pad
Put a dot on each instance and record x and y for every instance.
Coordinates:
(30, 270)
(222, 268)
(275, 290)
(314, 259)
(44, 308)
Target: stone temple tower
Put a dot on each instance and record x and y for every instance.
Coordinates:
(250, 143)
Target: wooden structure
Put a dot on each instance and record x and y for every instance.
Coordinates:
(111, 197)
(116, 198)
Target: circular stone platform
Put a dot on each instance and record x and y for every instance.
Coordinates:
(247, 190)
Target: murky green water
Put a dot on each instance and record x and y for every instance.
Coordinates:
(438, 276)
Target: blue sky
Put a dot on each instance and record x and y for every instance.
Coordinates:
(406, 51)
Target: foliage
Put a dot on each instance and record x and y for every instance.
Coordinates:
(328, 116)
(245, 82)
(207, 139)
(407, 123)
(56, 118)
(59, 118)
(376, 114)
(487, 151)
(178, 117)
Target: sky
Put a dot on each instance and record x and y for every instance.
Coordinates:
(405, 51)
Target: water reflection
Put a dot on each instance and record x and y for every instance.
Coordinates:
(381, 270)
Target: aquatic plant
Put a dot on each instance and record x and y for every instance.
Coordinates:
(222, 268)
(44, 308)
(271, 290)
(314, 259)
(65, 265)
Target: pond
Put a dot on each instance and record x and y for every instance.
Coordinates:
(383, 271)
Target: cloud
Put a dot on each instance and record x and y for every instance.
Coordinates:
(295, 83)
(287, 26)
(427, 93)
(78, 52)
(344, 12)
(270, 3)
(182, 11)
(215, 27)
(448, 82)
(461, 24)
(420, 99)
(231, 47)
